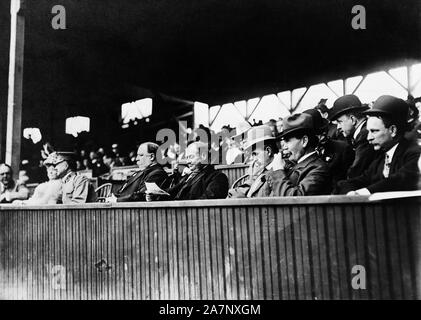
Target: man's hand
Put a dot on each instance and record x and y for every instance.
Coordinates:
(278, 162)
(111, 199)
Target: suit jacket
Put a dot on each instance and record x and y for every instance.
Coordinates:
(338, 156)
(207, 184)
(77, 189)
(403, 174)
(134, 189)
(364, 153)
(309, 177)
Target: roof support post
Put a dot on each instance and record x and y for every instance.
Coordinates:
(14, 102)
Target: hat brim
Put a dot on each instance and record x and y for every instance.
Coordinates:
(247, 145)
(337, 114)
(288, 132)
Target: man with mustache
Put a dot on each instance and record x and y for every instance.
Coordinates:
(396, 168)
(309, 174)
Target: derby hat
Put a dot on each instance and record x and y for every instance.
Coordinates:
(320, 124)
(258, 134)
(345, 104)
(300, 122)
(394, 108)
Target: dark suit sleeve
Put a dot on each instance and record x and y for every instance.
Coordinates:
(217, 187)
(159, 177)
(364, 156)
(315, 182)
(403, 179)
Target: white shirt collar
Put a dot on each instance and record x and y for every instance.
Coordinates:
(358, 129)
(391, 152)
(305, 156)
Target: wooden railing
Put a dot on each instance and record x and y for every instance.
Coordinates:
(279, 248)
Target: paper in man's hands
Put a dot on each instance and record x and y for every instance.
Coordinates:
(152, 188)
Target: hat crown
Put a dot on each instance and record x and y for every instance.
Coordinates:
(297, 122)
(318, 121)
(258, 134)
(348, 102)
(389, 105)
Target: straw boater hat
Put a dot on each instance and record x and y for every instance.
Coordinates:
(258, 134)
(345, 104)
(300, 122)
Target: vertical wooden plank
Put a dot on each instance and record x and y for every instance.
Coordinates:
(408, 278)
(350, 249)
(213, 252)
(393, 252)
(330, 227)
(207, 250)
(202, 256)
(306, 252)
(239, 253)
(252, 260)
(341, 234)
(290, 255)
(258, 229)
(195, 257)
(232, 253)
(190, 253)
(244, 215)
(361, 242)
(281, 253)
(316, 252)
(298, 255)
(266, 253)
(386, 291)
(220, 252)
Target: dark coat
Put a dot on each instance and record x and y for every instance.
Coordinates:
(134, 189)
(364, 153)
(207, 184)
(338, 156)
(309, 177)
(403, 174)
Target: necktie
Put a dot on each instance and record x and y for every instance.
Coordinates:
(386, 168)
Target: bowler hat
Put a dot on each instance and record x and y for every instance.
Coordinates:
(297, 122)
(394, 108)
(258, 134)
(344, 104)
(320, 124)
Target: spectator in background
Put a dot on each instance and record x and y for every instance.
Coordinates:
(109, 160)
(9, 189)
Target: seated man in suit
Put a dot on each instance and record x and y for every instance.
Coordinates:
(396, 169)
(150, 171)
(347, 111)
(309, 175)
(202, 181)
(262, 144)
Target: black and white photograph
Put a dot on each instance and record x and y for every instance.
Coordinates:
(209, 156)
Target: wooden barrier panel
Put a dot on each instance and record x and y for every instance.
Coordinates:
(280, 248)
(233, 171)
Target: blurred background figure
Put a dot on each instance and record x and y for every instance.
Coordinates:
(9, 189)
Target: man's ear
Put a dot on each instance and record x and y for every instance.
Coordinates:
(304, 140)
(393, 130)
(153, 156)
(269, 150)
